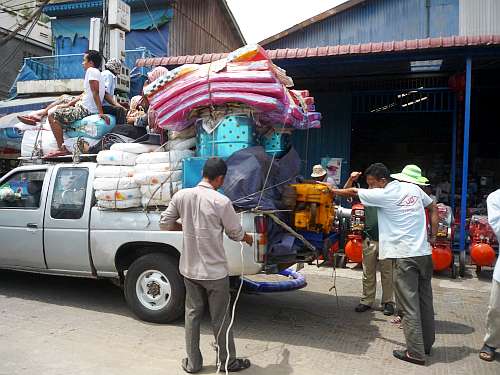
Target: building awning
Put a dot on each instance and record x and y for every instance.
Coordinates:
(25, 104)
(404, 46)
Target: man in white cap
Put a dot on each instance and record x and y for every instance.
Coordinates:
(403, 237)
(492, 338)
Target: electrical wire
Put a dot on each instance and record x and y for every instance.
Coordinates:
(154, 23)
(5, 63)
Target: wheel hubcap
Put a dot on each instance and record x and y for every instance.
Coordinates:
(153, 289)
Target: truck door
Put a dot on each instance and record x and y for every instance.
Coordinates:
(66, 237)
(23, 195)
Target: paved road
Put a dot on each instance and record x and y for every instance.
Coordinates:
(55, 325)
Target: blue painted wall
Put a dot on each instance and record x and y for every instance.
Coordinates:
(377, 21)
(334, 137)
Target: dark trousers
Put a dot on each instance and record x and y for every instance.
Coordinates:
(412, 282)
(216, 293)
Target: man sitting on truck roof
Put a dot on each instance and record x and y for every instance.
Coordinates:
(89, 104)
(205, 215)
(65, 101)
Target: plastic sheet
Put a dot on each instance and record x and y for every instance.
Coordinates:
(156, 167)
(92, 127)
(181, 144)
(194, 80)
(134, 148)
(173, 157)
(108, 157)
(273, 90)
(119, 205)
(113, 183)
(117, 194)
(176, 120)
(154, 178)
(108, 171)
(44, 138)
(161, 192)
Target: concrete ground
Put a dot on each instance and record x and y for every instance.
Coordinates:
(54, 325)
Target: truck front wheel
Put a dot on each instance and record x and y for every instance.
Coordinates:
(154, 288)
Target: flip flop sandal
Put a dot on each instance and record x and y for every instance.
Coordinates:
(403, 355)
(238, 364)
(184, 365)
(28, 120)
(487, 353)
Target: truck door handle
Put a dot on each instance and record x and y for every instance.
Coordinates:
(32, 225)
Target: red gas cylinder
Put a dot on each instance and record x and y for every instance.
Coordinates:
(482, 254)
(354, 250)
(442, 257)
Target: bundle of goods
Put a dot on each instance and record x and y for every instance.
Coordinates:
(159, 175)
(114, 182)
(247, 80)
(40, 140)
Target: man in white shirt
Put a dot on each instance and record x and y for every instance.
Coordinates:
(89, 103)
(492, 338)
(403, 237)
(206, 214)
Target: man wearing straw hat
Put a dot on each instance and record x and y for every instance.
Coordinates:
(403, 237)
(318, 173)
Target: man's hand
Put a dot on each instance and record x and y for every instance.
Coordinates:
(105, 118)
(432, 239)
(248, 239)
(355, 176)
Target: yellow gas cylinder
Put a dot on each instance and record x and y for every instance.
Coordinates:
(315, 211)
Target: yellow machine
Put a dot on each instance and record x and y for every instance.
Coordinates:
(315, 209)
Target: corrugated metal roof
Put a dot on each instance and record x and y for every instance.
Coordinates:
(340, 50)
(319, 17)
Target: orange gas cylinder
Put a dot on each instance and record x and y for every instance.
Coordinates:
(442, 256)
(354, 250)
(482, 254)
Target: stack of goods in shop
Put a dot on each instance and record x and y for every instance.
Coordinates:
(114, 184)
(246, 82)
(159, 174)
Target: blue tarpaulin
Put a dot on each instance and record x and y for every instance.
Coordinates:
(80, 26)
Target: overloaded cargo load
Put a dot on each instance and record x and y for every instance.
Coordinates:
(241, 109)
(247, 80)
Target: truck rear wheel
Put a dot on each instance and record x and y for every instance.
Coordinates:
(154, 289)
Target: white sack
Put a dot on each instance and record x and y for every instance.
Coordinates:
(181, 144)
(114, 183)
(153, 178)
(160, 192)
(119, 204)
(110, 171)
(173, 157)
(118, 195)
(135, 148)
(109, 157)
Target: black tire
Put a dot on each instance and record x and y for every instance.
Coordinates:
(461, 264)
(169, 267)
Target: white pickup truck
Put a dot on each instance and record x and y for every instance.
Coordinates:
(51, 225)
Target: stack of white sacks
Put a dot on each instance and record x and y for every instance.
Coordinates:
(114, 183)
(159, 175)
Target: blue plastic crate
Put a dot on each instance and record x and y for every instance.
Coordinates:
(192, 170)
(234, 133)
(277, 143)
